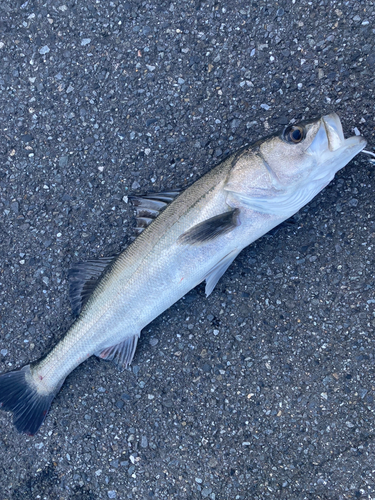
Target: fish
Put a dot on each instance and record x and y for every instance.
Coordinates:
(185, 238)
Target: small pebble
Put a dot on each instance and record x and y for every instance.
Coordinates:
(136, 369)
(63, 161)
(14, 206)
(44, 50)
(362, 392)
(235, 123)
(85, 41)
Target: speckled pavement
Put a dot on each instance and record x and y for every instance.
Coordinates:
(264, 390)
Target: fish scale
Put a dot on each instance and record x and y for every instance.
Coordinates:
(195, 238)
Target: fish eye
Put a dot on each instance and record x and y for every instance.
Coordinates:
(294, 134)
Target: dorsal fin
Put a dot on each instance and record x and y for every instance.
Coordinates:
(149, 206)
(83, 278)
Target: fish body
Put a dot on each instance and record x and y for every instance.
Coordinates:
(195, 238)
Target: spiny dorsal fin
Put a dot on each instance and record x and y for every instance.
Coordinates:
(83, 278)
(149, 206)
(211, 228)
(122, 354)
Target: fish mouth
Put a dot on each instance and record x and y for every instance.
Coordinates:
(330, 138)
(334, 132)
(330, 148)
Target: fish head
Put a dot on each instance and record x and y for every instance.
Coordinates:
(310, 152)
(290, 168)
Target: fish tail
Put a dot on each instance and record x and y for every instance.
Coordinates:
(19, 394)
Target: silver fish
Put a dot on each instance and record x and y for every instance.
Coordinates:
(195, 238)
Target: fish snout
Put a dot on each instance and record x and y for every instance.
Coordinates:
(335, 134)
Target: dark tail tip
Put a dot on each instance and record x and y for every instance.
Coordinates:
(17, 394)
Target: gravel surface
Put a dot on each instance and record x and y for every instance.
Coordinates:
(266, 388)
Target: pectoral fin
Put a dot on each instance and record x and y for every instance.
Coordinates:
(211, 228)
(218, 270)
(122, 354)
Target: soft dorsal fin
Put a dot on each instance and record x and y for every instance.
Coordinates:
(149, 206)
(83, 278)
(122, 354)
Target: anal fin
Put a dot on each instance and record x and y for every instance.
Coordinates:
(122, 354)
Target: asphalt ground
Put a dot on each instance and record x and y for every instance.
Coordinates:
(266, 388)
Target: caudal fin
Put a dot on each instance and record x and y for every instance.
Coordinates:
(19, 395)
